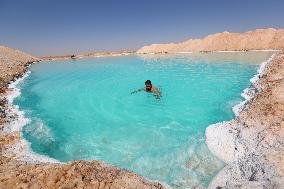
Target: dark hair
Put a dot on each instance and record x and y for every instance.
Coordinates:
(148, 82)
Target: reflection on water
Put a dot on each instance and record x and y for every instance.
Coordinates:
(252, 57)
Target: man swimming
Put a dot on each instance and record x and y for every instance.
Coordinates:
(150, 89)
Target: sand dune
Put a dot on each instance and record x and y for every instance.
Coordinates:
(260, 39)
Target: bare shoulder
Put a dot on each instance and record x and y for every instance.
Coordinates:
(155, 89)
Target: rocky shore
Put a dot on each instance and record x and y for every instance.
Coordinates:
(252, 144)
(15, 173)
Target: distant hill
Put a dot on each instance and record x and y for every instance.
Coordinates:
(260, 39)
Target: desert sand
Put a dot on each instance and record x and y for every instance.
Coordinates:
(88, 55)
(260, 39)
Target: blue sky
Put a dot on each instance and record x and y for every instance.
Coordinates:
(55, 27)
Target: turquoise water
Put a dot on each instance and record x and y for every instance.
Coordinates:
(83, 109)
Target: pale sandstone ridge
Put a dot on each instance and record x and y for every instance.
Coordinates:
(253, 143)
(260, 39)
(76, 174)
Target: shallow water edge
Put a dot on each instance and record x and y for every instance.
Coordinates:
(242, 142)
(16, 121)
(228, 154)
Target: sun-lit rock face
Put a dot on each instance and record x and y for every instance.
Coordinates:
(75, 174)
(260, 39)
(12, 64)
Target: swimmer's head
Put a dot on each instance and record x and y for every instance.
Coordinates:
(148, 85)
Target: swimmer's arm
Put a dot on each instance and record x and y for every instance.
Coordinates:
(158, 96)
(158, 93)
(139, 90)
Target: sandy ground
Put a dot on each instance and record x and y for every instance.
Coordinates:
(88, 55)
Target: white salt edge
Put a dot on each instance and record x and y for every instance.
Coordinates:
(219, 135)
(250, 92)
(21, 150)
(221, 138)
